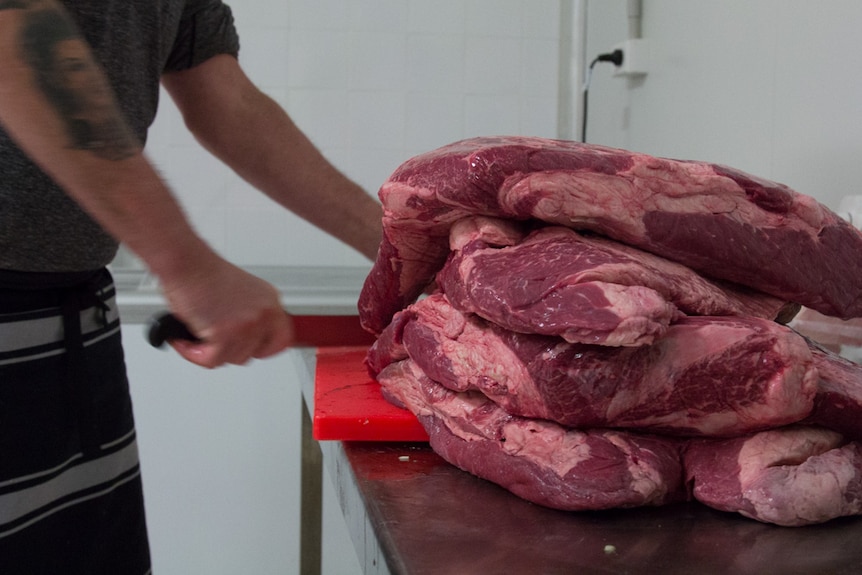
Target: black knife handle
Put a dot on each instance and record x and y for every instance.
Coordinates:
(166, 327)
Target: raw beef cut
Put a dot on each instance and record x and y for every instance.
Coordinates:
(539, 461)
(790, 476)
(707, 376)
(583, 288)
(716, 220)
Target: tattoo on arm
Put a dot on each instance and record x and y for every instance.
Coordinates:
(72, 81)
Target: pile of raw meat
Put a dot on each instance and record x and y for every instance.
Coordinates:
(594, 328)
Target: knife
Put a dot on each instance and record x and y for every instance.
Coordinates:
(309, 331)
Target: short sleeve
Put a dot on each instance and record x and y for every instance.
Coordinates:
(206, 30)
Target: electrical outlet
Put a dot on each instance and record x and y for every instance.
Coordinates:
(635, 58)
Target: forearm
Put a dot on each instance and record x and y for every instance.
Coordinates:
(289, 169)
(108, 176)
(256, 138)
(272, 154)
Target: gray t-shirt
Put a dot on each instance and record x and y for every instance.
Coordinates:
(41, 228)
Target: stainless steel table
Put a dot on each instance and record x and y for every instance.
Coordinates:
(410, 512)
(423, 516)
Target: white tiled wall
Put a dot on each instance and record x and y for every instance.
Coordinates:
(372, 83)
(761, 85)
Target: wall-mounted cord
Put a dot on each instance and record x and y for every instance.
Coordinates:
(635, 13)
(617, 58)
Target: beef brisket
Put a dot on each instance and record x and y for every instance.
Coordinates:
(790, 476)
(716, 220)
(584, 288)
(706, 376)
(539, 461)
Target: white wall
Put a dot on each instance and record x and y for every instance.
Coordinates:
(220, 458)
(372, 83)
(220, 461)
(767, 86)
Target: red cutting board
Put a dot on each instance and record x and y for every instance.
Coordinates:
(348, 405)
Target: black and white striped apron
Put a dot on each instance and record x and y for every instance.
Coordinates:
(70, 486)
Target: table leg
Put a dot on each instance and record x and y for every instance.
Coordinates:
(311, 506)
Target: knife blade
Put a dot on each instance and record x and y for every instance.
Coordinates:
(309, 331)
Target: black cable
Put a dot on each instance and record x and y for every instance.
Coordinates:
(617, 58)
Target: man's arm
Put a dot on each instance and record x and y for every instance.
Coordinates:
(75, 132)
(253, 135)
